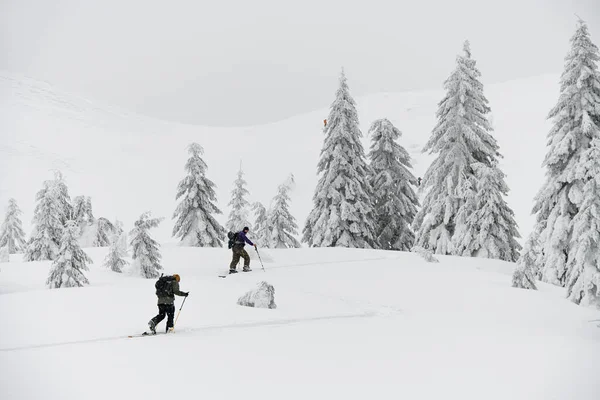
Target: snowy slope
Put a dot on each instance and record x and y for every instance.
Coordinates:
(350, 324)
(129, 164)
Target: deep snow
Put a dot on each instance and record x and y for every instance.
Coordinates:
(350, 324)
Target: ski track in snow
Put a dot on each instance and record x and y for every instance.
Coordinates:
(257, 324)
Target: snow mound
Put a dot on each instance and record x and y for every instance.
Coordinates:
(427, 254)
(261, 297)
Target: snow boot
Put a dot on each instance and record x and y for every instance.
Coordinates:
(247, 269)
(233, 271)
(152, 327)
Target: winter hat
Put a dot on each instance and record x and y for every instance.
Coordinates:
(246, 228)
(177, 278)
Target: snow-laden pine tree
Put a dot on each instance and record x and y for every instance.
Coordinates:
(583, 277)
(343, 214)
(12, 235)
(104, 232)
(67, 269)
(195, 224)
(395, 200)
(576, 121)
(82, 211)
(120, 236)
(525, 272)
(63, 199)
(261, 228)
(114, 259)
(146, 254)
(238, 217)
(460, 138)
(489, 229)
(282, 224)
(50, 216)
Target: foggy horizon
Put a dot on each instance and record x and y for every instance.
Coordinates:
(239, 64)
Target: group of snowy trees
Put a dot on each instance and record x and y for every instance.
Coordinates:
(60, 228)
(195, 222)
(369, 200)
(357, 204)
(564, 247)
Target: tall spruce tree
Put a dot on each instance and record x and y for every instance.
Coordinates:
(52, 212)
(566, 191)
(261, 228)
(146, 254)
(460, 139)
(489, 230)
(12, 235)
(67, 269)
(395, 199)
(238, 216)
(195, 224)
(583, 277)
(343, 214)
(282, 224)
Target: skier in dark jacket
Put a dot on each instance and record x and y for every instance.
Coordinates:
(166, 304)
(238, 251)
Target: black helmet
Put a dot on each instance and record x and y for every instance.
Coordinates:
(246, 229)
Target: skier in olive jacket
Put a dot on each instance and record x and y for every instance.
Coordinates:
(238, 251)
(166, 302)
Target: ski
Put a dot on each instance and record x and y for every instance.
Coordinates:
(226, 275)
(148, 334)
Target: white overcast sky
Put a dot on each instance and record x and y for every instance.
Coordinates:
(245, 62)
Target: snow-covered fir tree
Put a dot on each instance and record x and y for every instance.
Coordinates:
(583, 277)
(82, 211)
(576, 121)
(489, 230)
(51, 213)
(67, 269)
(114, 260)
(195, 224)
(62, 198)
(120, 236)
(460, 138)
(525, 272)
(343, 214)
(12, 235)
(146, 254)
(104, 232)
(261, 229)
(395, 200)
(282, 224)
(238, 217)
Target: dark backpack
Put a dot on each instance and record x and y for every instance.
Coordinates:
(163, 286)
(232, 236)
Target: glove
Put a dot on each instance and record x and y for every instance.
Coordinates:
(186, 294)
(255, 245)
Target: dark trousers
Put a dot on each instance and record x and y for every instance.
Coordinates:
(239, 252)
(169, 311)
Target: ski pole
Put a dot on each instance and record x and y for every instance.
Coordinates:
(178, 312)
(261, 263)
